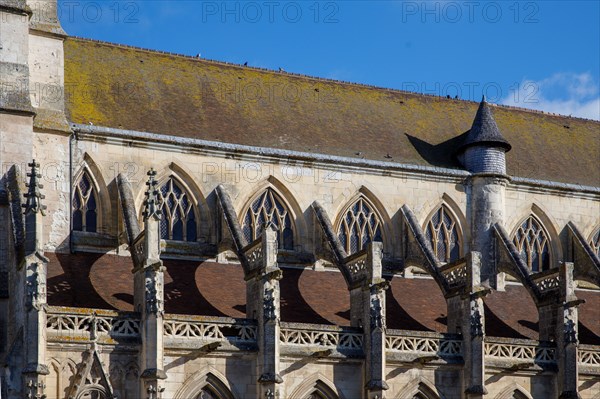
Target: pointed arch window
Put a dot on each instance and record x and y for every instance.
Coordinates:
(532, 243)
(269, 208)
(85, 205)
(595, 243)
(359, 226)
(179, 218)
(207, 393)
(442, 233)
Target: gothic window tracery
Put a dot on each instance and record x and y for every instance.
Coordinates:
(269, 208)
(85, 205)
(532, 243)
(360, 225)
(442, 233)
(207, 393)
(316, 395)
(595, 242)
(178, 221)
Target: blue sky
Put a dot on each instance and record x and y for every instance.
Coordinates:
(533, 54)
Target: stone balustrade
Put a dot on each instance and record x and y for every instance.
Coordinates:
(520, 353)
(325, 340)
(413, 346)
(82, 325)
(196, 332)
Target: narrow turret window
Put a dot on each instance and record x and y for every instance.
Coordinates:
(595, 242)
(85, 206)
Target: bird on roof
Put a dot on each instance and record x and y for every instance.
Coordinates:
(281, 69)
(198, 55)
(246, 63)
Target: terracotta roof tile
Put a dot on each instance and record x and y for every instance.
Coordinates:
(307, 296)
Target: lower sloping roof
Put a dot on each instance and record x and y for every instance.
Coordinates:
(99, 281)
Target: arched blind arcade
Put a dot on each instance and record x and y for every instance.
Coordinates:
(85, 205)
(178, 220)
(532, 243)
(269, 208)
(442, 233)
(359, 226)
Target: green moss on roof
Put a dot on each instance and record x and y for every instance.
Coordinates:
(128, 88)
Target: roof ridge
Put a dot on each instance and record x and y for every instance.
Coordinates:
(318, 78)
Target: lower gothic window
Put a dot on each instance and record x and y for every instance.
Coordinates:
(85, 213)
(595, 243)
(93, 393)
(269, 208)
(359, 226)
(207, 393)
(178, 220)
(443, 235)
(532, 243)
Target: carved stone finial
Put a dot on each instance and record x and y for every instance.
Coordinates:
(152, 203)
(33, 195)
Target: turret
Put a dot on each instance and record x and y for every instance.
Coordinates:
(484, 148)
(483, 154)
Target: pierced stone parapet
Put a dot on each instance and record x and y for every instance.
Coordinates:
(589, 356)
(456, 273)
(547, 281)
(83, 325)
(187, 331)
(254, 254)
(519, 353)
(357, 266)
(321, 337)
(421, 344)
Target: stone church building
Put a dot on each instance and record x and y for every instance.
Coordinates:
(178, 228)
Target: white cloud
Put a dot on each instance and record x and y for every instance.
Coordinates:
(562, 93)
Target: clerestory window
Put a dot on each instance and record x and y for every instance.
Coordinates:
(269, 208)
(532, 243)
(442, 233)
(359, 226)
(178, 221)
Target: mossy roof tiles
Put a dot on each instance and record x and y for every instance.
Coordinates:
(134, 89)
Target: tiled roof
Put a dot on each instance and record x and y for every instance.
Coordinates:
(212, 289)
(133, 89)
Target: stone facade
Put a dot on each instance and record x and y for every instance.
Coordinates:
(456, 227)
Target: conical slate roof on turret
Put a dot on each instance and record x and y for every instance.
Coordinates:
(484, 131)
